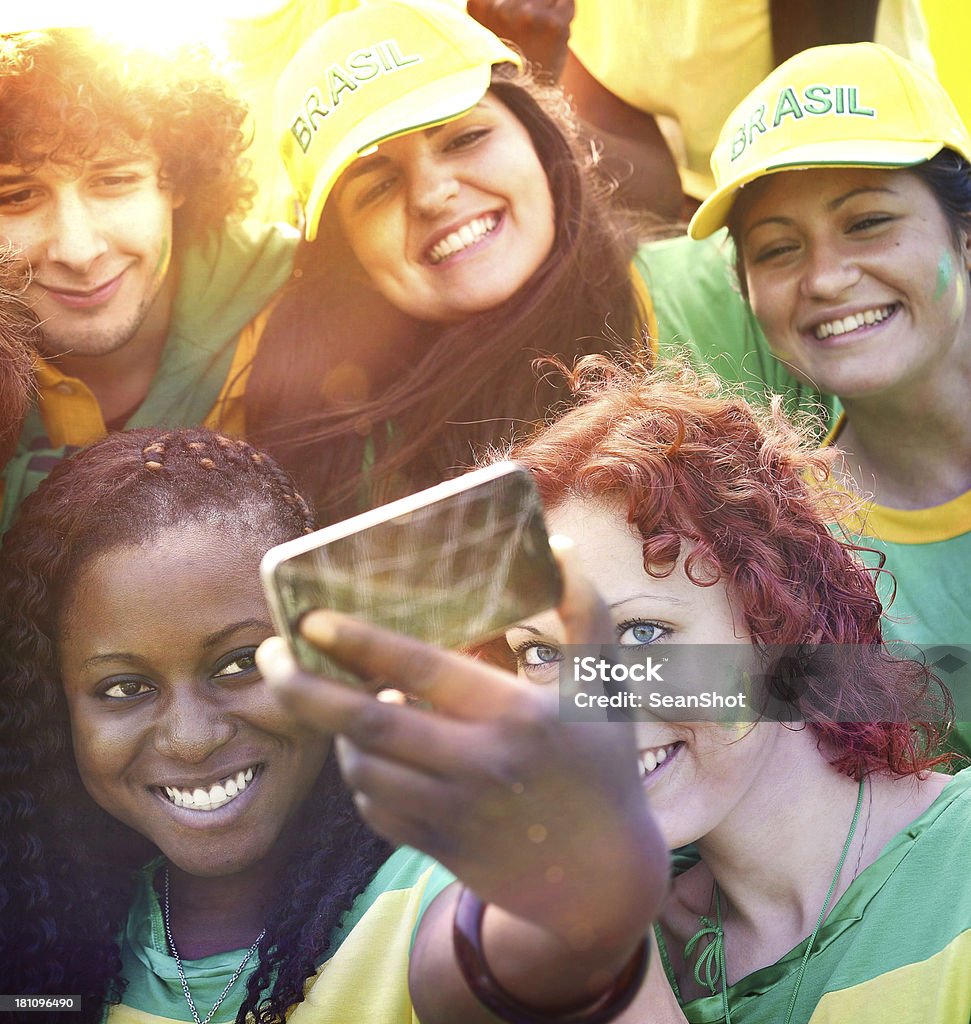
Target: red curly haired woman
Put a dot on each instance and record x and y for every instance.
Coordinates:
(829, 881)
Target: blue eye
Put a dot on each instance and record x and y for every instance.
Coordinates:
(639, 631)
(537, 661)
(540, 654)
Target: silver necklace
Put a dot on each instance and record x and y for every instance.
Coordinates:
(178, 962)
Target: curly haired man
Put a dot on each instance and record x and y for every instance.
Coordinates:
(121, 184)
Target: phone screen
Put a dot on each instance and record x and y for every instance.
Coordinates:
(455, 565)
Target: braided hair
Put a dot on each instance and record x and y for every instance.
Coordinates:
(69, 868)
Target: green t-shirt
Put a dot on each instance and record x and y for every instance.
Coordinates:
(365, 977)
(896, 948)
(928, 594)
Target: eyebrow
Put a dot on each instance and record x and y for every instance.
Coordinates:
(832, 206)
(210, 641)
(15, 179)
(105, 164)
(366, 164)
(616, 604)
(213, 639)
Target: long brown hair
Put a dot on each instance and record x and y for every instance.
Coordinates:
(472, 383)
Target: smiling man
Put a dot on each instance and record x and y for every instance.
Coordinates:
(121, 174)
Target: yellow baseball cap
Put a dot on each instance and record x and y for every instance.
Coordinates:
(384, 69)
(849, 105)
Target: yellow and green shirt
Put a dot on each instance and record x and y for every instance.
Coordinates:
(225, 291)
(896, 948)
(364, 978)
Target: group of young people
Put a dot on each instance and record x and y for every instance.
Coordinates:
(195, 830)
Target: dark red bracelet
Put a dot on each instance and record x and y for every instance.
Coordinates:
(467, 940)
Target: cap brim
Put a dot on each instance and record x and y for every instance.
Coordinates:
(716, 209)
(436, 103)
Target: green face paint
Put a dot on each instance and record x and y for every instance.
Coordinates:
(945, 274)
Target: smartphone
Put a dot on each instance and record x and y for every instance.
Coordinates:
(455, 565)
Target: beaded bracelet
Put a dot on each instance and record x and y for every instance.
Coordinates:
(467, 940)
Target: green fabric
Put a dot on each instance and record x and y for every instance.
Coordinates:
(223, 285)
(150, 970)
(902, 914)
(700, 310)
(932, 608)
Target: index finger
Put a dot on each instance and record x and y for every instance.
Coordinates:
(457, 684)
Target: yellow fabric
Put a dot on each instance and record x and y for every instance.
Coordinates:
(920, 525)
(691, 62)
(70, 411)
(227, 415)
(831, 106)
(908, 525)
(949, 27)
(126, 1015)
(645, 308)
(72, 415)
(912, 994)
(260, 48)
(365, 980)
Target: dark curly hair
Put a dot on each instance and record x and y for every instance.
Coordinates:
(69, 868)
(741, 492)
(473, 382)
(17, 325)
(66, 94)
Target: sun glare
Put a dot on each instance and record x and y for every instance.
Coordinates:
(163, 28)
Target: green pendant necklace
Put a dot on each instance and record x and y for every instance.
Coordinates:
(710, 968)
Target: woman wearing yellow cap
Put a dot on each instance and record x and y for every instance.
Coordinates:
(844, 179)
(455, 234)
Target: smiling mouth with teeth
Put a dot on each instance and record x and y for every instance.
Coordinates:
(212, 797)
(466, 235)
(854, 322)
(648, 760)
